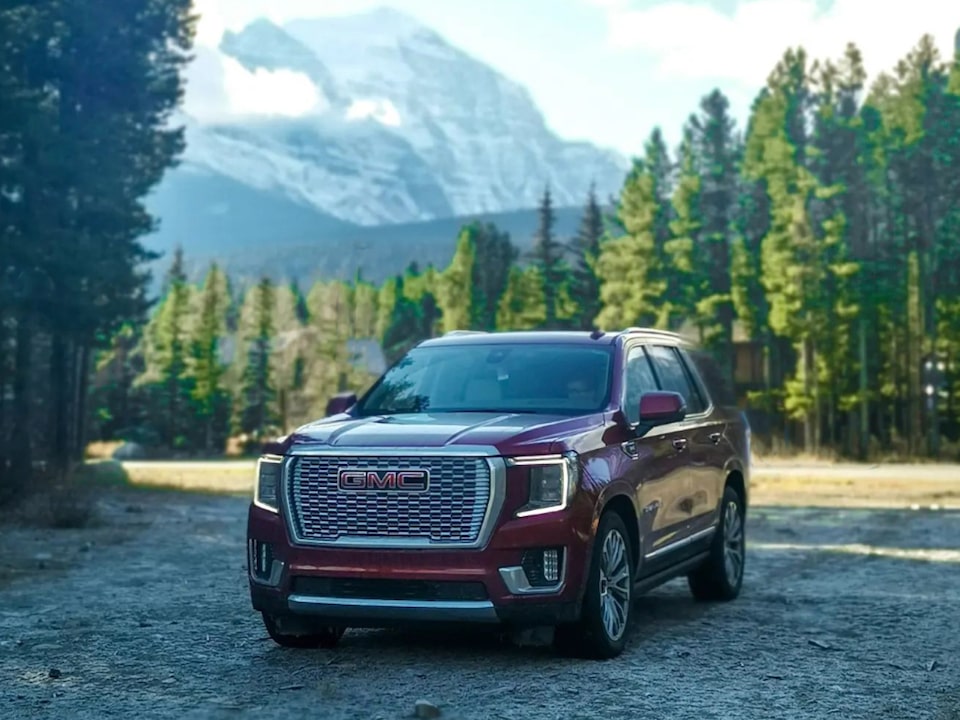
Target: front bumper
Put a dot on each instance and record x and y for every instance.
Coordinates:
(380, 588)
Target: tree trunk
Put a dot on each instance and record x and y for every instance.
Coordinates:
(811, 413)
(21, 451)
(83, 389)
(864, 435)
(59, 382)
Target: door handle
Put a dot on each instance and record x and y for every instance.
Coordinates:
(715, 438)
(680, 443)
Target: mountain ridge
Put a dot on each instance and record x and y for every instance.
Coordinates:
(405, 129)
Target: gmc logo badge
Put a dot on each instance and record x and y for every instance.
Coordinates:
(399, 480)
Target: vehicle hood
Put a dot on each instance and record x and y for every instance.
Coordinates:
(509, 433)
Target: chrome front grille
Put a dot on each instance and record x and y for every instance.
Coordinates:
(450, 512)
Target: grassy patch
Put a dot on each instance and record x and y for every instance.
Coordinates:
(193, 476)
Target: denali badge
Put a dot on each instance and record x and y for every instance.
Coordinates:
(399, 480)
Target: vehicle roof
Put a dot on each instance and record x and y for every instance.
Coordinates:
(546, 337)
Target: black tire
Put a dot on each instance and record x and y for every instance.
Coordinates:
(590, 636)
(712, 581)
(294, 633)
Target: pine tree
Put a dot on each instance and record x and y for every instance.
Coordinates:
(457, 295)
(173, 336)
(522, 306)
(494, 255)
(687, 265)
(718, 155)
(584, 283)
(631, 266)
(547, 257)
(211, 401)
(257, 413)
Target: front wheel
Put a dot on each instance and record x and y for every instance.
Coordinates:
(293, 633)
(601, 632)
(721, 575)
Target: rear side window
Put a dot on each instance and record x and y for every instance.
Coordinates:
(717, 384)
(674, 378)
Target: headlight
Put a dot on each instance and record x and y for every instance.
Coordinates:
(266, 493)
(553, 479)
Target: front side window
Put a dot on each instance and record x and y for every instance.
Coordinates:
(673, 377)
(534, 378)
(639, 380)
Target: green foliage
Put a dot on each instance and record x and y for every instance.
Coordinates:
(85, 135)
(522, 306)
(548, 258)
(211, 399)
(257, 411)
(630, 266)
(819, 244)
(584, 285)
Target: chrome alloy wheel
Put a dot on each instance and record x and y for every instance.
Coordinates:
(614, 585)
(733, 545)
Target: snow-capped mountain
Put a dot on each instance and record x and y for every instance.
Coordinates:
(403, 127)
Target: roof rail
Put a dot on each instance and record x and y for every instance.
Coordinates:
(652, 331)
(453, 333)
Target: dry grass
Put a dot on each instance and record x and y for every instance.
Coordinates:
(853, 486)
(226, 480)
(102, 450)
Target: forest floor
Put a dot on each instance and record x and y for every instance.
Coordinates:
(848, 610)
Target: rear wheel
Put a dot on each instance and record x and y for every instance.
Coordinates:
(295, 633)
(721, 575)
(601, 632)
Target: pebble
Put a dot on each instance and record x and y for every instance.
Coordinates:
(425, 710)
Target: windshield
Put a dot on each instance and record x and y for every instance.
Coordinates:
(556, 379)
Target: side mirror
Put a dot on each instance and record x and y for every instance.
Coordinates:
(661, 408)
(341, 403)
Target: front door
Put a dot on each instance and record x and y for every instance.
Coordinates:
(702, 482)
(658, 470)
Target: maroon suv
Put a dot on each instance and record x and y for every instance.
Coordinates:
(517, 479)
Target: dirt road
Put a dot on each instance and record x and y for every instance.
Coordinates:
(845, 613)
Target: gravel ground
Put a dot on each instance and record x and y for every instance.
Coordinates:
(844, 613)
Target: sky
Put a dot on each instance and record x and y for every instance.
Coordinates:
(607, 71)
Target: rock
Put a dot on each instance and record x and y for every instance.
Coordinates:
(55, 674)
(425, 710)
(130, 451)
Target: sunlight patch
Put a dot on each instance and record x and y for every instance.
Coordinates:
(923, 554)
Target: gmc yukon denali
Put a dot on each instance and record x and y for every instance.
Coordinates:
(521, 479)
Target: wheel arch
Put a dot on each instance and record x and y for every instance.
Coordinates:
(735, 476)
(623, 505)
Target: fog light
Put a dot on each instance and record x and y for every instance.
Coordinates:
(542, 566)
(551, 565)
(261, 559)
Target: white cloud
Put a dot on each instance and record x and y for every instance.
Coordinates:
(219, 88)
(694, 41)
(264, 92)
(383, 111)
